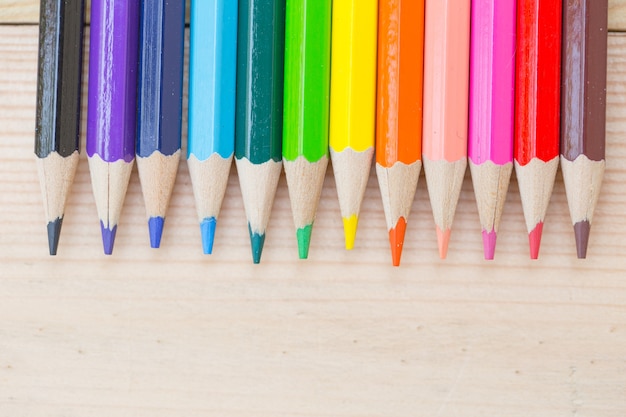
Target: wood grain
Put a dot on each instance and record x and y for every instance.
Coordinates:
(172, 332)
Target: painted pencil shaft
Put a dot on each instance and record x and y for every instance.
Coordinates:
(446, 77)
(537, 109)
(491, 111)
(306, 110)
(352, 104)
(399, 112)
(159, 106)
(259, 111)
(111, 118)
(57, 128)
(212, 76)
(583, 121)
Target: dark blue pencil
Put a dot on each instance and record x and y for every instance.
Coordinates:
(159, 106)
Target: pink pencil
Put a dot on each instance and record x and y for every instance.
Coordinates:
(491, 110)
(444, 141)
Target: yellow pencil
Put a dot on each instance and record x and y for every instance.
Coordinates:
(352, 104)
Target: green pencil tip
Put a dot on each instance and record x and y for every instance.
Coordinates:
(304, 240)
(256, 241)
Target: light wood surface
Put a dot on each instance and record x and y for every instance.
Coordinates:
(171, 332)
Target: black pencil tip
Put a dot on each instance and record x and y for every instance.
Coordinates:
(54, 232)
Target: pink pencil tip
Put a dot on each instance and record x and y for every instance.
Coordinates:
(443, 238)
(489, 244)
(534, 240)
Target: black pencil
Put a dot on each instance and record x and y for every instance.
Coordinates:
(57, 129)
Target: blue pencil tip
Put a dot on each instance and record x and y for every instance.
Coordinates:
(108, 238)
(155, 226)
(256, 240)
(207, 233)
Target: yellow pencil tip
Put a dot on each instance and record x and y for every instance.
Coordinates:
(349, 230)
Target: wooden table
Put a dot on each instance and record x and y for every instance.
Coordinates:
(171, 332)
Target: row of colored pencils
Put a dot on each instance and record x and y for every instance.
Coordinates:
(502, 82)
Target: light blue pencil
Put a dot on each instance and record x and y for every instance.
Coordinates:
(212, 75)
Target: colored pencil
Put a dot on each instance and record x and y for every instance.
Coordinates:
(111, 117)
(444, 142)
(211, 137)
(306, 110)
(259, 111)
(352, 104)
(159, 106)
(399, 112)
(491, 111)
(57, 128)
(583, 121)
(537, 109)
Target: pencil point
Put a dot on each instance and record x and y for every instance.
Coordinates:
(443, 238)
(207, 234)
(108, 238)
(256, 241)
(396, 240)
(155, 226)
(304, 240)
(349, 230)
(581, 231)
(489, 244)
(54, 232)
(534, 240)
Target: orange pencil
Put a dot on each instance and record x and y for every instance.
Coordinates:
(399, 112)
(446, 79)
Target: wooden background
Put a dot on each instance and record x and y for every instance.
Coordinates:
(171, 332)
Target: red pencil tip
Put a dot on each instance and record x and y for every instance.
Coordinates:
(534, 240)
(443, 238)
(489, 244)
(396, 240)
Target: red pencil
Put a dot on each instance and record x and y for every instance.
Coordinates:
(537, 106)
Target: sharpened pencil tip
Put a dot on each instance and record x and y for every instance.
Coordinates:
(489, 244)
(304, 240)
(54, 232)
(155, 227)
(534, 240)
(256, 241)
(349, 230)
(396, 240)
(207, 234)
(443, 239)
(581, 232)
(108, 238)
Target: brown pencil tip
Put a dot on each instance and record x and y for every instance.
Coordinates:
(443, 238)
(581, 232)
(396, 240)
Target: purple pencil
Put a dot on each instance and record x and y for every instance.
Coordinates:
(113, 63)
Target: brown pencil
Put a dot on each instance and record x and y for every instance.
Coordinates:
(583, 103)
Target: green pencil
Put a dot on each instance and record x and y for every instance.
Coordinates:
(306, 112)
(259, 111)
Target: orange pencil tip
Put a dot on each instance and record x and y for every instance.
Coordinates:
(396, 240)
(534, 240)
(443, 238)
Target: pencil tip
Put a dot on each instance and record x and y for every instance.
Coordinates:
(304, 240)
(349, 230)
(534, 240)
(581, 232)
(207, 234)
(108, 238)
(489, 244)
(396, 240)
(155, 226)
(443, 238)
(54, 232)
(256, 241)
